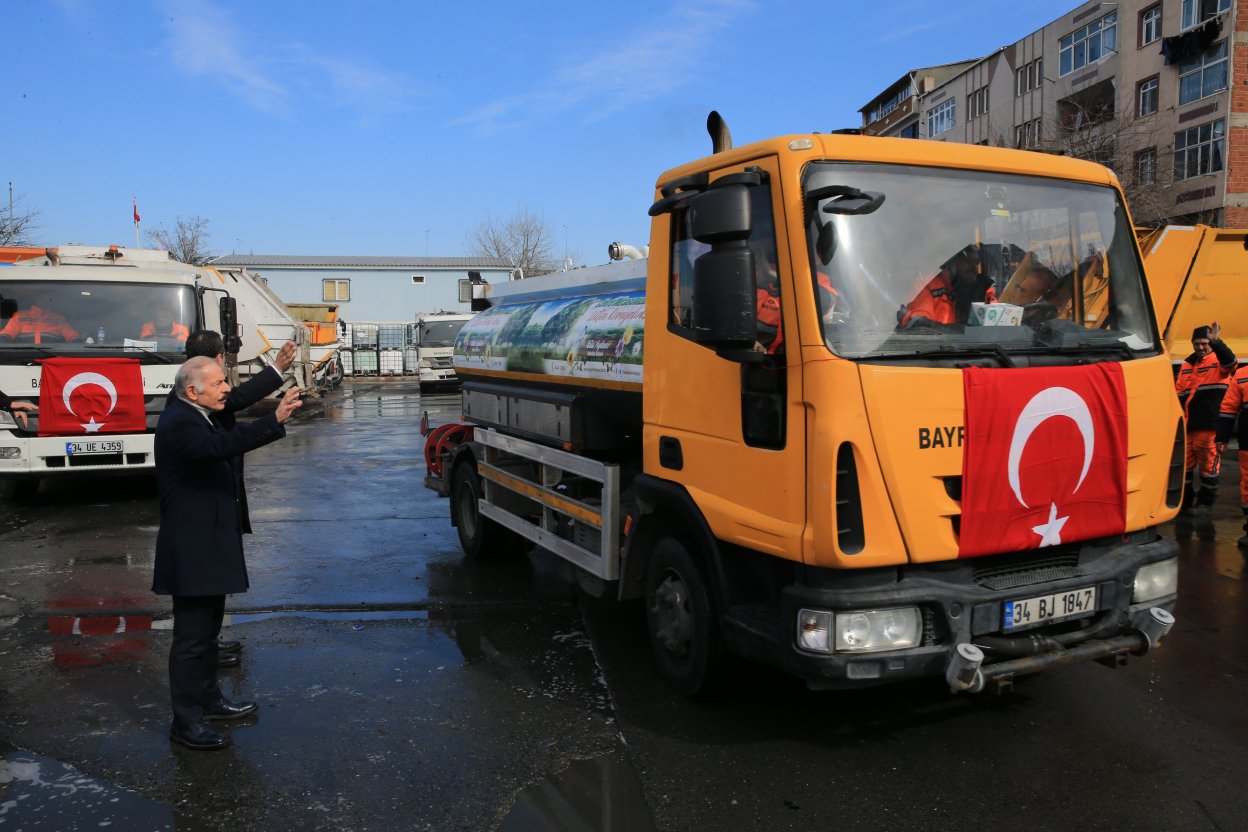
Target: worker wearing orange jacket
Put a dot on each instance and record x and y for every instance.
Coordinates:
(946, 297)
(37, 324)
(1201, 386)
(1234, 405)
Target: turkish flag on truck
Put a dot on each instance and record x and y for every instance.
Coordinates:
(83, 396)
(1045, 457)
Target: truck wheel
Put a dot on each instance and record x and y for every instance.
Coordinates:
(680, 617)
(479, 536)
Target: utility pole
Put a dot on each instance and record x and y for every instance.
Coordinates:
(426, 242)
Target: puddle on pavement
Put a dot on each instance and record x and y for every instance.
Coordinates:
(40, 793)
(362, 615)
(602, 795)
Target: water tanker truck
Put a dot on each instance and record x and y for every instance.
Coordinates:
(871, 410)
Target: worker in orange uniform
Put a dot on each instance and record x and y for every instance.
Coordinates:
(1202, 385)
(1234, 405)
(38, 324)
(946, 297)
(171, 329)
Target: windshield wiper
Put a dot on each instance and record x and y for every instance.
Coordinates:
(1106, 346)
(129, 353)
(978, 349)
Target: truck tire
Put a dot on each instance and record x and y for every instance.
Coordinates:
(681, 620)
(480, 537)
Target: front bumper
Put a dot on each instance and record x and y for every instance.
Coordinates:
(959, 607)
(40, 456)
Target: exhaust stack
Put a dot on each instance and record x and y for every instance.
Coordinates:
(721, 139)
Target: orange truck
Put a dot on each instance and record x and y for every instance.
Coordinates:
(1196, 276)
(849, 499)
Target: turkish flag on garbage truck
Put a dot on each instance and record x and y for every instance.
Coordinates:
(1044, 461)
(84, 396)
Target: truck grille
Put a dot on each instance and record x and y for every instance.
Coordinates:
(1027, 569)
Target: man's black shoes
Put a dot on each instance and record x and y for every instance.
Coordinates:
(227, 660)
(198, 736)
(225, 710)
(229, 646)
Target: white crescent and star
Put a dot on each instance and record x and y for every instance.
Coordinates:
(1048, 404)
(98, 380)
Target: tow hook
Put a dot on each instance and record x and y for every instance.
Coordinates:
(963, 668)
(966, 671)
(1156, 625)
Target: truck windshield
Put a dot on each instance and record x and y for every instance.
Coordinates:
(912, 261)
(439, 333)
(76, 317)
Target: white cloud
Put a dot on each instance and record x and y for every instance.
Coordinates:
(270, 76)
(640, 63)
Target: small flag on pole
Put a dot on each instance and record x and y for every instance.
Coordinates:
(136, 209)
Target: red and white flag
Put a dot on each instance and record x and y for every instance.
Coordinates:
(83, 396)
(136, 209)
(1045, 457)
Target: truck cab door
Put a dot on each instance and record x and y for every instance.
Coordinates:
(733, 414)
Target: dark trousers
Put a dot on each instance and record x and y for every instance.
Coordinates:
(193, 656)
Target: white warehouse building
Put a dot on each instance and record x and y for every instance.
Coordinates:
(374, 288)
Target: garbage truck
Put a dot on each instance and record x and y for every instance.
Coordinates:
(434, 336)
(756, 433)
(94, 336)
(1196, 276)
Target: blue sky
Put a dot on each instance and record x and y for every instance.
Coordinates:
(353, 128)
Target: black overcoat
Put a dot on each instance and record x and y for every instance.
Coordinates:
(239, 398)
(199, 548)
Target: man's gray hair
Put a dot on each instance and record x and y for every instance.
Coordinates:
(191, 374)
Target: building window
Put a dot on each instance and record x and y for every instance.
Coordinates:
(418, 280)
(977, 103)
(1199, 150)
(911, 131)
(1150, 25)
(940, 118)
(1146, 97)
(1028, 134)
(334, 290)
(1089, 44)
(891, 103)
(1146, 166)
(1029, 77)
(1203, 76)
(1196, 12)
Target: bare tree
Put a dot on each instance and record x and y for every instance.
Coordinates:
(188, 242)
(525, 239)
(1090, 128)
(17, 227)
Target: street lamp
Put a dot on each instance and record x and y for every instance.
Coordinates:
(565, 246)
(426, 242)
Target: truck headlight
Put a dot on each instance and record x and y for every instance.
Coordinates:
(426, 364)
(814, 630)
(9, 452)
(1156, 580)
(869, 631)
(859, 631)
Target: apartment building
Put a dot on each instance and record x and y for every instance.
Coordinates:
(1142, 86)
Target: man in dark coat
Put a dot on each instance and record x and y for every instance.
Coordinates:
(205, 342)
(199, 548)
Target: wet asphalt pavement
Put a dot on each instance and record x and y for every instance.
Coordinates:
(403, 688)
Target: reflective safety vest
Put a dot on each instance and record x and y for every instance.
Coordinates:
(38, 323)
(176, 330)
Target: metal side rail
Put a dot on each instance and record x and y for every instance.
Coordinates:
(552, 465)
(967, 672)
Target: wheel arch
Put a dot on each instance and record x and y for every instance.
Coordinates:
(664, 508)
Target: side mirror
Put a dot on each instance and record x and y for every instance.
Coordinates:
(724, 314)
(228, 308)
